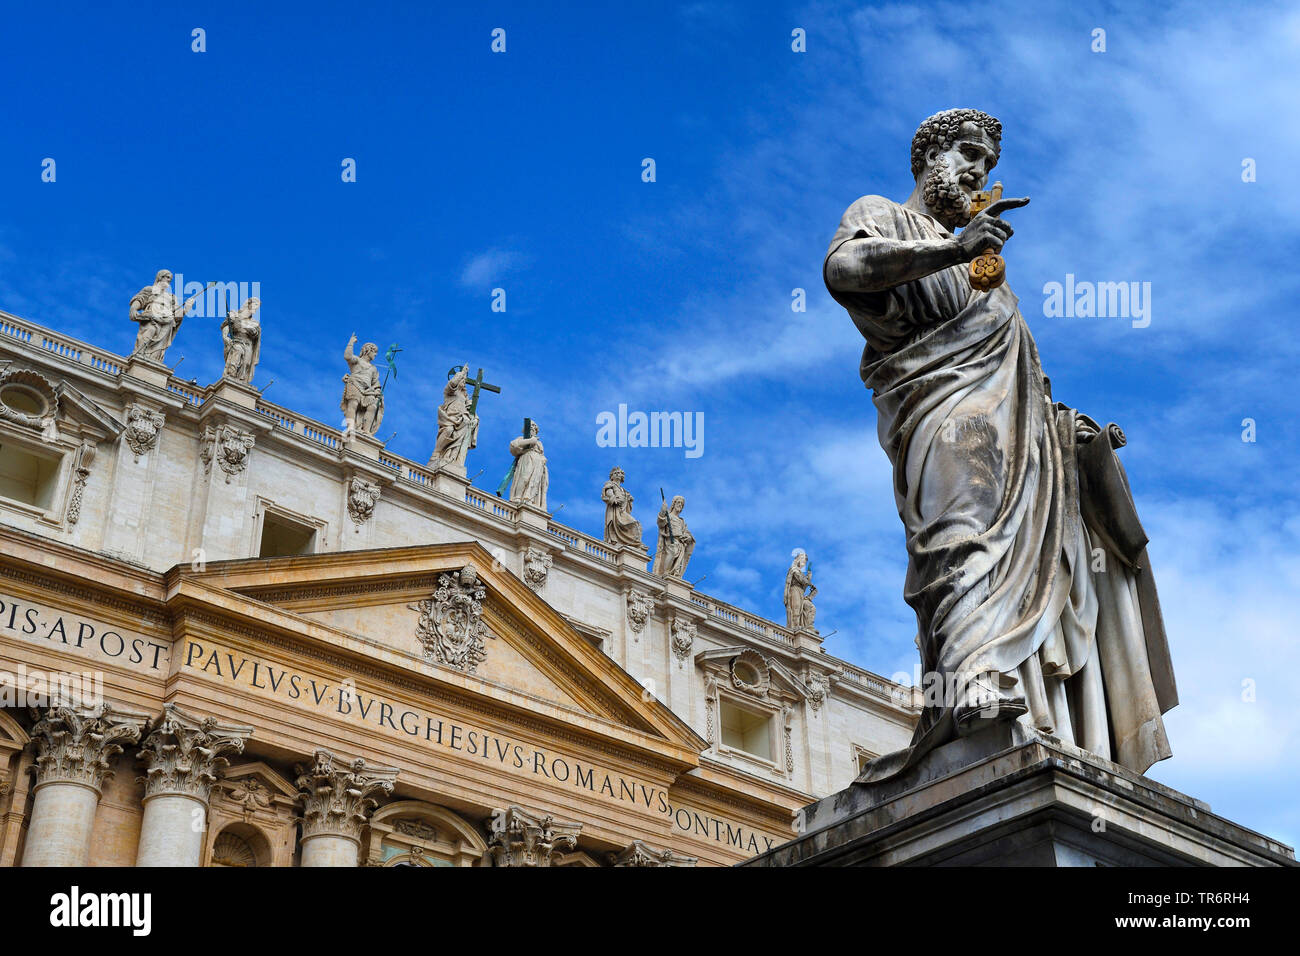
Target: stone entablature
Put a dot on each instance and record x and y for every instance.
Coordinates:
(352, 494)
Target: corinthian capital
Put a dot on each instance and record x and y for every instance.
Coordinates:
(638, 854)
(184, 754)
(520, 838)
(77, 745)
(337, 799)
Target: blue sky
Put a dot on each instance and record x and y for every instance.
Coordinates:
(522, 171)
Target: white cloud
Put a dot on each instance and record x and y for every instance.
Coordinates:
(489, 267)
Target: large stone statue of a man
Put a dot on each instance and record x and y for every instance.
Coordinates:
(457, 425)
(1027, 567)
(676, 543)
(620, 527)
(363, 393)
(159, 316)
(241, 340)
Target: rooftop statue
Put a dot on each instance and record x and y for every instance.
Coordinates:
(1027, 566)
(620, 526)
(159, 316)
(676, 543)
(241, 339)
(363, 393)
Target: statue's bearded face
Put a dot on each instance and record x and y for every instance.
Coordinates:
(953, 175)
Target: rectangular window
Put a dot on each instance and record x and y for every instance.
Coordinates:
(283, 537)
(27, 476)
(747, 731)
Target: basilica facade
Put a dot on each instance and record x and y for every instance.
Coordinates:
(234, 635)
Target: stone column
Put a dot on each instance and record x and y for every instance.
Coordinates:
(520, 838)
(183, 757)
(75, 747)
(337, 802)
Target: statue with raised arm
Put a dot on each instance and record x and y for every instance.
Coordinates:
(620, 526)
(676, 543)
(241, 340)
(457, 424)
(363, 393)
(1027, 567)
(159, 316)
(799, 592)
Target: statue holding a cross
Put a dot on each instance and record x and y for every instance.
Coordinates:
(458, 417)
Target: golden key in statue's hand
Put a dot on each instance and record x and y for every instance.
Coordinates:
(988, 270)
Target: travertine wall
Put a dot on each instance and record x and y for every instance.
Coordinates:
(177, 502)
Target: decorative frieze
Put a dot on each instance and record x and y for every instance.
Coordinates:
(185, 754)
(521, 838)
(143, 426)
(537, 565)
(362, 497)
(450, 628)
(228, 447)
(638, 854)
(337, 800)
(78, 746)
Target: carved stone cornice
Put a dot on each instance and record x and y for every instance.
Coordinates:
(75, 745)
(184, 754)
(337, 800)
(638, 854)
(450, 628)
(521, 838)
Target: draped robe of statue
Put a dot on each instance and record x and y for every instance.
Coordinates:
(675, 547)
(457, 425)
(620, 526)
(799, 610)
(157, 314)
(242, 337)
(530, 478)
(1000, 542)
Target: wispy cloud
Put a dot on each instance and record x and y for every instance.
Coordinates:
(489, 267)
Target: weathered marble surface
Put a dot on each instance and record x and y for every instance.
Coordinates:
(676, 543)
(620, 526)
(241, 339)
(1024, 591)
(363, 393)
(800, 614)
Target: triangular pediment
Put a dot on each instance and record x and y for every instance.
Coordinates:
(405, 599)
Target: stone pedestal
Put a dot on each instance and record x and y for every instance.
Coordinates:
(75, 752)
(337, 801)
(146, 370)
(183, 756)
(531, 516)
(1012, 796)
